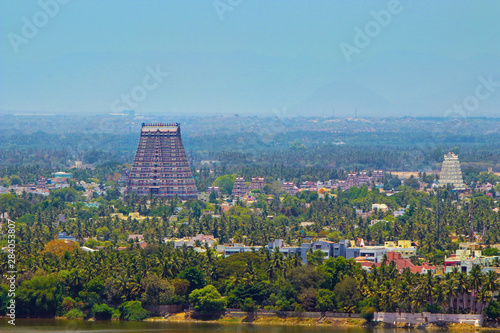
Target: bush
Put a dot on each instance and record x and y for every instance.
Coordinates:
(92, 243)
(207, 300)
(4, 299)
(133, 310)
(248, 305)
(493, 310)
(368, 313)
(74, 314)
(491, 251)
(102, 312)
(68, 304)
(116, 314)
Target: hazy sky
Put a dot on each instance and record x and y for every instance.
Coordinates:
(251, 57)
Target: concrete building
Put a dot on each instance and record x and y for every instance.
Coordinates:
(373, 254)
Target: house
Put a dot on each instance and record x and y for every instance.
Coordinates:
(66, 237)
(136, 237)
(381, 207)
(402, 263)
(373, 253)
(399, 212)
(403, 247)
(373, 222)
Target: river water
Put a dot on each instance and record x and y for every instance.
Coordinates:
(52, 325)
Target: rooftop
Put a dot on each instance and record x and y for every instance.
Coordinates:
(162, 127)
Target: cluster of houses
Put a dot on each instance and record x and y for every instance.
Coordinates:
(470, 254)
(240, 188)
(399, 252)
(362, 178)
(42, 186)
(367, 256)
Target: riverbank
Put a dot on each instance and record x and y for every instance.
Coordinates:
(266, 320)
(332, 322)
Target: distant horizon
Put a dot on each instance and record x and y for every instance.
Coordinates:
(156, 114)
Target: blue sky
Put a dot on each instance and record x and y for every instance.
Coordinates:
(249, 57)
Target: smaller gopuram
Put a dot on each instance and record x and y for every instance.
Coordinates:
(451, 173)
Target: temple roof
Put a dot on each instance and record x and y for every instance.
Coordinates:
(162, 127)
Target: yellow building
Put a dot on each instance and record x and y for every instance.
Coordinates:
(401, 246)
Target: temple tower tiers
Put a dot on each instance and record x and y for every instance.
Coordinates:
(240, 188)
(160, 166)
(451, 173)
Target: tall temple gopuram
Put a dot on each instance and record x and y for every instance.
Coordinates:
(160, 166)
(451, 173)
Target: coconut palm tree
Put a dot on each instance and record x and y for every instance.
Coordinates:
(475, 282)
(450, 289)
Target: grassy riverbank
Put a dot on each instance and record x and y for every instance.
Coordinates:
(336, 322)
(273, 320)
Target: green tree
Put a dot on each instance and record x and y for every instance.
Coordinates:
(248, 305)
(132, 311)
(195, 277)
(326, 300)
(39, 297)
(16, 180)
(315, 258)
(225, 183)
(102, 312)
(207, 300)
(368, 313)
(491, 251)
(157, 291)
(493, 310)
(347, 293)
(67, 194)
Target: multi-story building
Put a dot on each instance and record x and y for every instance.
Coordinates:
(123, 177)
(352, 180)
(377, 175)
(373, 254)
(41, 183)
(240, 188)
(257, 183)
(403, 247)
(363, 178)
(342, 184)
(160, 166)
(310, 186)
(330, 249)
(290, 188)
(466, 257)
(215, 189)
